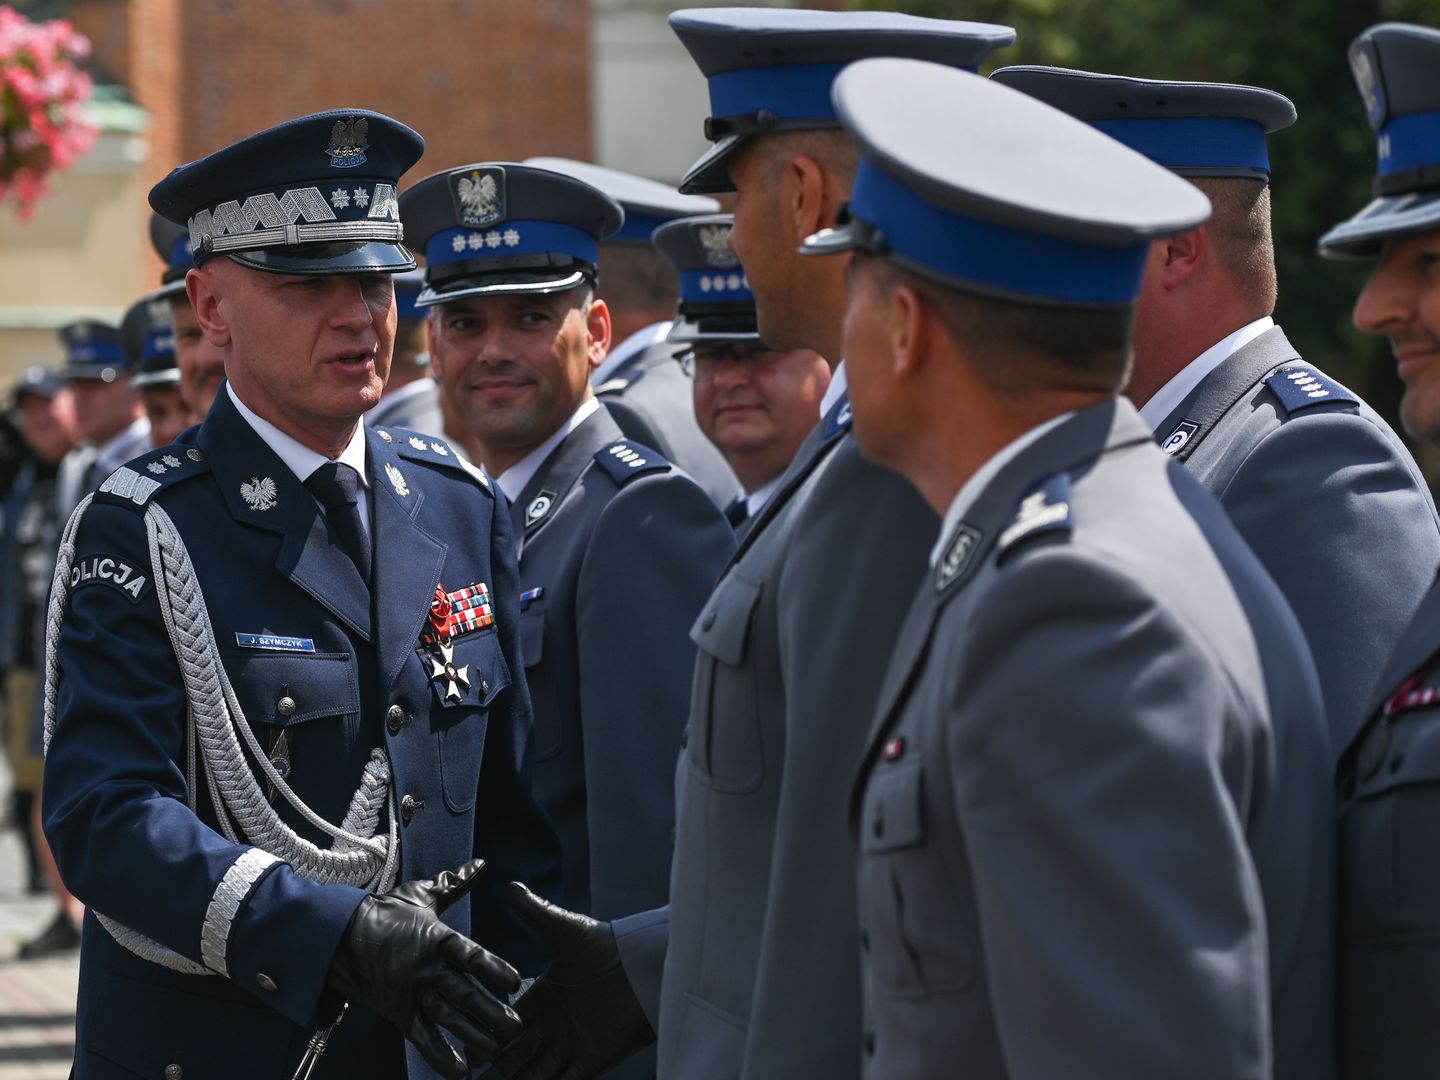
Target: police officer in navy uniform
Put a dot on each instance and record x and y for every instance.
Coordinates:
(751, 970)
(1316, 481)
(1388, 776)
(412, 396)
(284, 659)
(646, 393)
(108, 414)
(147, 335)
(1078, 730)
(202, 366)
(618, 548)
(755, 403)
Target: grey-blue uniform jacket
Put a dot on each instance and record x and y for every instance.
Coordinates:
(312, 656)
(760, 977)
(618, 551)
(1327, 496)
(1389, 872)
(1073, 746)
(651, 398)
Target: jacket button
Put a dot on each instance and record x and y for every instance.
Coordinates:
(395, 719)
(195, 454)
(408, 806)
(174, 1072)
(709, 620)
(266, 983)
(285, 706)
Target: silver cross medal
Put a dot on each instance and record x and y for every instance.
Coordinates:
(444, 669)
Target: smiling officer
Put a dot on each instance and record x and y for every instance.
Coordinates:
(285, 673)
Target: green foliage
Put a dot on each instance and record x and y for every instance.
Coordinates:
(1322, 166)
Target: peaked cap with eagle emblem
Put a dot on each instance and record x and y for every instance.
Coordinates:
(497, 227)
(315, 195)
(716, 303)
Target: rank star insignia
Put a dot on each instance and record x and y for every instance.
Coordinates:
(418, 444)
(443, 669)
(171, 460)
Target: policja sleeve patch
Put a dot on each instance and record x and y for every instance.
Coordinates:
(109, 570)
(1300, 387)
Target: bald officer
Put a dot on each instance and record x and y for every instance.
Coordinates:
(287, 672)
(1083, 687)
(1389, 781)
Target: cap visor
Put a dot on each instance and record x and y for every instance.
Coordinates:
(108, 373)
(171, 288)
(688, 331)
(1391, 215)
(167, 377)
(710, 175)
(499, 284)
(829, 242)
(349, 257)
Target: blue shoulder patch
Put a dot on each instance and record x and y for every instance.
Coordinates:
(1045, 510)
(1300, 387)
(137, 481)
(841, 418)
(413, 446)
(624, 460)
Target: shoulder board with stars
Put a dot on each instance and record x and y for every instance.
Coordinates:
(1045, 511)
(624, 460)
(414, 446)
(1300, 387)
(137, 481)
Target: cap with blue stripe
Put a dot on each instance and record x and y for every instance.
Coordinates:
(716, 303)
(1192, 128)
(648, 204)
(1395, 66)
(147, 337)
(498, 227)
(171, 243)
(92, 351)
(1018, 201)
(314, 195)
(771, 70)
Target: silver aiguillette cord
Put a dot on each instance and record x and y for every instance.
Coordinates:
(318, 1044)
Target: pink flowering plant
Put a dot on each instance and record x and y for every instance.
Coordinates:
(42, 99)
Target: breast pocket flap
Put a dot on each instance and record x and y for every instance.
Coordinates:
(894, 815)
(291, 688)
(724, 621)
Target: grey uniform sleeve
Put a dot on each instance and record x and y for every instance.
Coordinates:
(1092, 741)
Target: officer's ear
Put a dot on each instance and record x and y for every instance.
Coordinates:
(1177, 259)
(809, 201)
(597, 328)
(203, 288)
(911, 324)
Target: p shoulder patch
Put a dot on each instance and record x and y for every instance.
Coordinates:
(1045, 510)
(958, 556)
(113, 571)
(136, 482)
(624, 460)
(1300, 387)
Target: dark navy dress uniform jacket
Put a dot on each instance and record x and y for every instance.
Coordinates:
(128, 844)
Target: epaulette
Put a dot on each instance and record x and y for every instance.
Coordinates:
(1044, 511)
(136, 482)
(624, 460)
(428, 450)
(613, 386)
(1300, 387)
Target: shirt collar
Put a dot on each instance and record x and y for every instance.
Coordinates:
(637, 342)
(839, 383)
(975, 486)
(513, 480)
(1169, 396)
(756, 500)
(299, 458)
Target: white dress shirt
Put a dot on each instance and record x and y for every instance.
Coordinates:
(1154, 411)
(839, 383)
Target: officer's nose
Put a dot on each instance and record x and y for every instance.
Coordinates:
(353, 302)
(1388, 300)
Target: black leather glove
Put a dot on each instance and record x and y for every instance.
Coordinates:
(401, 961)
(581, 1016)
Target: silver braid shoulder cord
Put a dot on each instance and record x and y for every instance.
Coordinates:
(356, 857)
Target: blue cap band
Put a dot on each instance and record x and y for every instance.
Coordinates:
(510, 238)
(99, 352)
(790, 91)
(1410, 142)
(180, 254)
(1002, 257)
(636, 228)
(161, 343)
(1194, 142)
(715, 286)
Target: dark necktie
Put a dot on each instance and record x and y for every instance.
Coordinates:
(337, 487)
(737, 511)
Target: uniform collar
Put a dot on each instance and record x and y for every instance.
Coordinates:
(300, 459)
(1154, 411)
(513, 480)
(630, 348)
(839, 383)
(971, 489)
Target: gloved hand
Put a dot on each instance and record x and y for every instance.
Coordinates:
(581, 1016)
(401, 961)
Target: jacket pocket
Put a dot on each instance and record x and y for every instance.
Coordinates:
(461, 726)
(724, 742)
